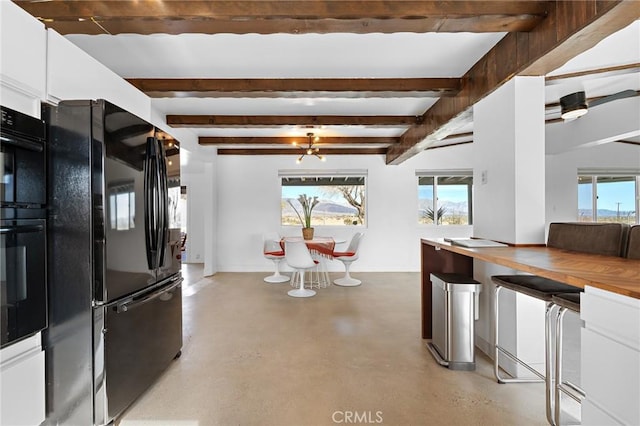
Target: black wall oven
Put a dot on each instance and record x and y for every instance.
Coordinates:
(23, 226)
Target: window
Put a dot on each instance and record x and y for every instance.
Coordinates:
(341, 198)
(608, 197)
(122, 206)
(445, 199)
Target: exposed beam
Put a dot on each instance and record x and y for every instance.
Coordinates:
(291, 120)
(295, 17)
(293, 151)
(600, 72)
(570, 28)
(214, 140)
(297, 87)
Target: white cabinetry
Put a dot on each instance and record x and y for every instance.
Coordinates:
(23, 56)
(610, 358)
(22, 387)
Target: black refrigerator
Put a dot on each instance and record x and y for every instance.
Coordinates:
(115, 301)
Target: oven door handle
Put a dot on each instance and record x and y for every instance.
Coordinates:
(21, 229)
(22, 143)
(132, 304)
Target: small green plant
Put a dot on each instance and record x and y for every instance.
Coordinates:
(429, 214)
(308, 204)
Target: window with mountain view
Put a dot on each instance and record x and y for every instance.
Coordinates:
(445, 199)
(608, 198)
(341, 199)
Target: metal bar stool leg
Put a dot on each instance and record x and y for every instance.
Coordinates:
(561, 386)
(500, 350)
(550, 402)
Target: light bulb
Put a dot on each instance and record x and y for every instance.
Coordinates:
(294, 143)
(309, 151)
(170, 162)
(299, 160)
(323, 158)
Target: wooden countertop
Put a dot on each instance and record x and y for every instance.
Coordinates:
(615, 274)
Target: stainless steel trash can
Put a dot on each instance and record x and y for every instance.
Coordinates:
(454, 311)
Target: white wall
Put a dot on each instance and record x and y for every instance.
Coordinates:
(249, 205)
(73, 74)
(22, 76)
(509, 138)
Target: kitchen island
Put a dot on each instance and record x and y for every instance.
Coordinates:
(610, 347)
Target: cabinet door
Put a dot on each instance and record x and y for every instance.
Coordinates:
(22, 390)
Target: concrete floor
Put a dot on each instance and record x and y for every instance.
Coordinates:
(254, 356)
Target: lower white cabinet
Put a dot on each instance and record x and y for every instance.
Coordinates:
(610, 358)
(22, 383)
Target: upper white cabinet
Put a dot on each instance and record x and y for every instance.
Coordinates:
(23, 56)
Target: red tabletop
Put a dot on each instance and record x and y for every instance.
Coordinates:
(320, 245)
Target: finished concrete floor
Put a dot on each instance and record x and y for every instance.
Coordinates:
(254, 356)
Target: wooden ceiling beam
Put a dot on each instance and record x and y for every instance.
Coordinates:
(570, 28)
(297, 152)
(291, 120)
(301, 140)
(297, 87)
(295, 17)
(599, 72)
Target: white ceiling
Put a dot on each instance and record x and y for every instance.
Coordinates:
(401, 55)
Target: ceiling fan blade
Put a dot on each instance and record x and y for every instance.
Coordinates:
(613, 97)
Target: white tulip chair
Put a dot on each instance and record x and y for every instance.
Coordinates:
(347, 257)
(298, 257)
(273, 251)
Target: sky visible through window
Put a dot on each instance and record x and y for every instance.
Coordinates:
(453, 193)
(609, 195)
(312, 191)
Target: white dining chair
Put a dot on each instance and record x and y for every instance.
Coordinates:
(347, 257)
(273, 251)
(298, 257)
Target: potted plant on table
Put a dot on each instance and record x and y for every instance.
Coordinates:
(308, 204)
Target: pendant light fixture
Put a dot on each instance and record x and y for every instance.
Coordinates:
(310, 149)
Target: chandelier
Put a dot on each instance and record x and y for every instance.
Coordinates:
(309, 149)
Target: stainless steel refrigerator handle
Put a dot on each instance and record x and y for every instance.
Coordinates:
(149, 204)
(132, 304)
(22, 229)
(163, 202)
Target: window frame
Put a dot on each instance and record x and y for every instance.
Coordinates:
(311, 174)
(594, 174)
(443, 174)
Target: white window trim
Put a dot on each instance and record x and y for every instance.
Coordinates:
(440, 173)
(595, 173)
(325, 173)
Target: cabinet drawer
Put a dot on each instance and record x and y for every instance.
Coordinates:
(22, 390)
(611, 376)
(612, 315)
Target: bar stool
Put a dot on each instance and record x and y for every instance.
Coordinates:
(566, 302)
(539, 288)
